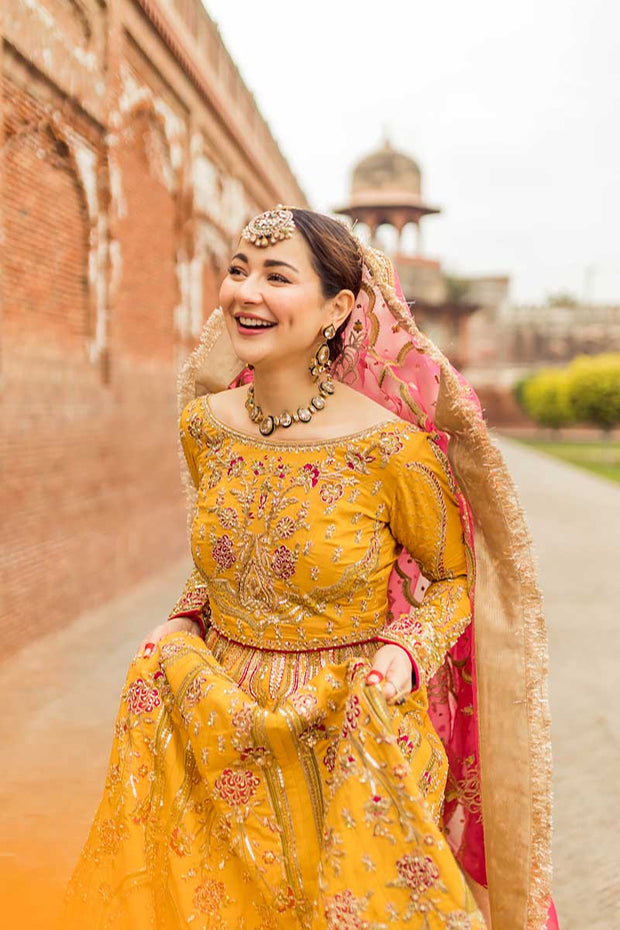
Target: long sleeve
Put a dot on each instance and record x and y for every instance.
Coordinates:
(194, 600)
(425, 520)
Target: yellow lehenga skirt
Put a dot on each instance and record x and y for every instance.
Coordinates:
(249, 790)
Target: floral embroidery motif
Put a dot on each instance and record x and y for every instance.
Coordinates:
(180, 842)
(358, 460)
(458, 920)
(285, 899)
(209, 897)
(351, 714)
(376, 811)
(285, 527)
(110, 836)
(309, 475)
(228, 517)
(304, 704)
(224, 552)
(140, 698)
(418, 872)
(331, 491)
(236, 787)
(329, 759)
(283, 562)
(344, 912)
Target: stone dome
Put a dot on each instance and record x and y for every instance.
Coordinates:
(386, 176)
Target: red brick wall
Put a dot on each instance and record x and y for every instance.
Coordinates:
(98, 224)
(90, 494)
(46, 229)
(143, 326)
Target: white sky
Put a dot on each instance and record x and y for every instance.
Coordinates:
(512, 110)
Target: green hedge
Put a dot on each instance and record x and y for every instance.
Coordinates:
(594, 388)
(586, 391)
(546, 398)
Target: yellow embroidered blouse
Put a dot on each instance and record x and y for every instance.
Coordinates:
(294, 541)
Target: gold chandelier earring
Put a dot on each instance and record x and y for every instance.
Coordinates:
(319, 363)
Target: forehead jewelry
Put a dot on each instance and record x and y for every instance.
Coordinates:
(269, 227)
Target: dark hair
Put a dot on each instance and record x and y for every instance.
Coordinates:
(336, 258)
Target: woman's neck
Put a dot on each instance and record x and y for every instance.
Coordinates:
(285, 388)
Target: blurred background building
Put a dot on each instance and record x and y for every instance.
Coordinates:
(132, 152)
(471, 318)
(387, 209)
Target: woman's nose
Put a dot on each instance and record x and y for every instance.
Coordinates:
(248, 292)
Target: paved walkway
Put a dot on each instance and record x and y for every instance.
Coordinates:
(59, 698)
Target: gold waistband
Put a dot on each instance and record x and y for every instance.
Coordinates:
(270, 675)
(276, 643)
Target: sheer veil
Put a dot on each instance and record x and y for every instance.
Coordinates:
(489, 701)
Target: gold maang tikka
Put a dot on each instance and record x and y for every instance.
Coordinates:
(269, 227)
(265, 230)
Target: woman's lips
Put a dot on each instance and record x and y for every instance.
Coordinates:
(252, 330)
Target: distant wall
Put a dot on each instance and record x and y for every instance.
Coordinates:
(131, 154)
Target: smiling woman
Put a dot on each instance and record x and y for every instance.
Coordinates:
(302, 743)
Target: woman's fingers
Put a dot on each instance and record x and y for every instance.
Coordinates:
(391, 670)
(389, 688)
(148, 644)
(380, 665)
(145, 648)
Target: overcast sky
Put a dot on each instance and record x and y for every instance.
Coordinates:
(512, 110)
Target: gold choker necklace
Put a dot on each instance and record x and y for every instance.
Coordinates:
(268, 423)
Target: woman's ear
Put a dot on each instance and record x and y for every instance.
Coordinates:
(341, 306)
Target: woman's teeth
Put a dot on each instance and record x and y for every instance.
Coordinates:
(247, 321)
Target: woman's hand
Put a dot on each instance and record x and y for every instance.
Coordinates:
(146, 647)
(392, 670)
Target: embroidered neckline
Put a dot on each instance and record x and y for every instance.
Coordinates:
(300, 443)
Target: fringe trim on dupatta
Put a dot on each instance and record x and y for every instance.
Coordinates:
(511, 652)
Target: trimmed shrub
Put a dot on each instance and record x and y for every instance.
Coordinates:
(518, 389)
(594, 389)
(546, 398)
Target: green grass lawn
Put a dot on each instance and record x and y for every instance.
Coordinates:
(603, 458)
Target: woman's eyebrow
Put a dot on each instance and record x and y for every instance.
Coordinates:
(271, 263)
(268, 263)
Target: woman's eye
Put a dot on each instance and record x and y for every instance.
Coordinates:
(274, 276)
(235, 270)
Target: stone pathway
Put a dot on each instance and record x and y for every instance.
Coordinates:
(59, 698)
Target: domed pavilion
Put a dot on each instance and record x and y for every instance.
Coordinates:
(386, 207)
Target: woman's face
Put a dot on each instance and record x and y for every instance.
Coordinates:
(275, 285)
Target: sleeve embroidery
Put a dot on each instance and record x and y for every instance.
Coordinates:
(194, 602)
(425, 520)
(194, 599)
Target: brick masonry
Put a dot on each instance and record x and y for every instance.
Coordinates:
(131, 154)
